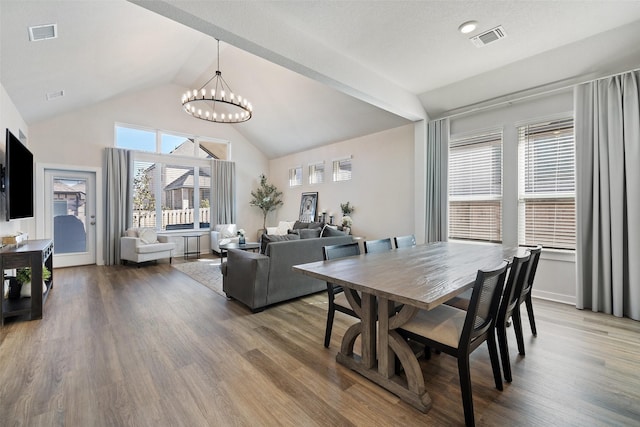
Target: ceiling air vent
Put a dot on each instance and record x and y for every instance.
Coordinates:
(43, 32)
(490, 36)
(53, 95)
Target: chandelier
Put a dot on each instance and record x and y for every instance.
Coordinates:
(216, 102)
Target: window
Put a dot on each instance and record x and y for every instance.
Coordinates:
(316, 173)
(342, 170)
(156, 141)
(547, 213)
(475, 188)
(171, 191)
(295, 176)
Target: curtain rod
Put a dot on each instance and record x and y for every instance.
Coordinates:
(499, 101)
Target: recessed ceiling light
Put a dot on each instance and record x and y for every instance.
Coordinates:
(467, 27)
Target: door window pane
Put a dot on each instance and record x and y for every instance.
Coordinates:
(69, 215)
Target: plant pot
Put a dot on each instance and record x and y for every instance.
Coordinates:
(15, 288)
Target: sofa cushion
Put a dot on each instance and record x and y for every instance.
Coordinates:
(148, 235)
(131, 232)
(268, 238)
(298, 225)
(310, 233)
(154, 247)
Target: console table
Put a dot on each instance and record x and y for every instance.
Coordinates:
(33, 254)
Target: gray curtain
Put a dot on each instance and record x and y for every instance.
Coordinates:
(608, 195)
(223, 174)
(437, 167)
(118, 210)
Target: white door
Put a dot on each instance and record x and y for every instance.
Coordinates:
(70, 216)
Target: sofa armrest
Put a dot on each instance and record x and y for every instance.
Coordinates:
(128, 248)
(246, 277)
(215, 240)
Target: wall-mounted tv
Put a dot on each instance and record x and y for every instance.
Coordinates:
(17, 180)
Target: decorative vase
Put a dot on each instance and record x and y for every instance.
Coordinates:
(241, 240)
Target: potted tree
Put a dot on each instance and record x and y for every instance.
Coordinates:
(266, 197)
(23, 276)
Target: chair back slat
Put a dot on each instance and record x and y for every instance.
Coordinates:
(340, 251)
(375, 246)
(483, 306)
(518, 276)
(533, 267)
(405, 241)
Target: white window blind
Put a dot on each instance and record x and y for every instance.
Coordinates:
(342, 170)
(547, 213)
(295, 176)
(475, 188)
(316, 173)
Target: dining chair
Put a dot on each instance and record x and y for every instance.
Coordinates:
(458, 333)
(513, 287)
(525, 297)
(405, 241)
(518, 273)
(337, 299)
(375, 246)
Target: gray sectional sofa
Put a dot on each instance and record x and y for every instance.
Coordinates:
(259, 280)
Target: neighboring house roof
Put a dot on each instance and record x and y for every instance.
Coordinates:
(186, 180)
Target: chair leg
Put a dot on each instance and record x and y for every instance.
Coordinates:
(495, 363)
(532, 320)
(327, 333)
(504, 351)
(517, 327)
(465, 389)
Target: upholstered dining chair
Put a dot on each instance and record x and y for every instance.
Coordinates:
(458, 333)
(525, 297)
(375, 246)
(405, 241)
(337, 299)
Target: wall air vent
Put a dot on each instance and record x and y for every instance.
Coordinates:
(490, 36)
(54, 95)
(43, 32)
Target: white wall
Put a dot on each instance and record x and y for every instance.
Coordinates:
(79, 138)
(11, 119)
(556, 276)
(381, 188)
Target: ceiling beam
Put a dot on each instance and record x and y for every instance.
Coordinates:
(243, 25)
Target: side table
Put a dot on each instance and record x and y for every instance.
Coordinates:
(195, 252)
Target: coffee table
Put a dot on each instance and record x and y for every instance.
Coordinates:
(249, 246)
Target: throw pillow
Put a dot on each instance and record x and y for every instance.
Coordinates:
(298, 225)
(316, 225)
(148, 235)
(228, 230)
(284, 227)
(310, 233)
(268, 238)
(131, 232)
(329, 231)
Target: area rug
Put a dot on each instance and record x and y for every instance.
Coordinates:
(205, 271)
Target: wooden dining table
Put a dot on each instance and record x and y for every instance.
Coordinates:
(419, 277)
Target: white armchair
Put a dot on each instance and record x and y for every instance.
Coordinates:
(143, 244)
(223, 234)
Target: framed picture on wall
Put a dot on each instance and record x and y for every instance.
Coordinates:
(308, 207)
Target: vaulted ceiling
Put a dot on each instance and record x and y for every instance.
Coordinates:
(317, 72)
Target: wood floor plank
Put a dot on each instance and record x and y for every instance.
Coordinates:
(150, 346)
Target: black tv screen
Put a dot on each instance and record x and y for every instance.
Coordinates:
(18, 179)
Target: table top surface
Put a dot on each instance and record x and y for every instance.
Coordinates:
(423, 276)
(248, 245)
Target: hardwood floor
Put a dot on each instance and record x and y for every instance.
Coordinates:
(126, 346)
